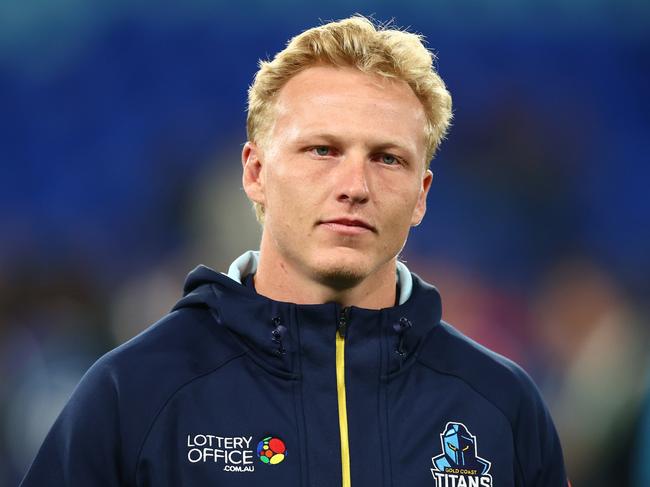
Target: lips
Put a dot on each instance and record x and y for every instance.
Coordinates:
(349, 223)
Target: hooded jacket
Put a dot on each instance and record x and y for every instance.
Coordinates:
(235, 389)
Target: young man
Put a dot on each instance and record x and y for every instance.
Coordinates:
(319, 360)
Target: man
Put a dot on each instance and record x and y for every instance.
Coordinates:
(319, 360)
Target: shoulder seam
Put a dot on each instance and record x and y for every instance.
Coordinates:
(164, 405)
(469, 384)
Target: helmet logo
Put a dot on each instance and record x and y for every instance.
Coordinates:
(459, 458)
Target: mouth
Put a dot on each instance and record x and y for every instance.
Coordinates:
(349, 226)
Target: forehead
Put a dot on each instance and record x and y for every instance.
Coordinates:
(347, 102)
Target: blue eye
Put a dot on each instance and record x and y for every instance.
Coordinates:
(322, 150)
(389, 159)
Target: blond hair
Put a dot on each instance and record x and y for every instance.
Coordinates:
(352, 42)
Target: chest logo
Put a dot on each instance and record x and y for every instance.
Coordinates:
(459, 464)
(271, 450)
(234, 453)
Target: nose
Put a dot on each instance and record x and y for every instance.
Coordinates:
(352, 180)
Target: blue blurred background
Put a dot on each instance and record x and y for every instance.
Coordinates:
(121, 125)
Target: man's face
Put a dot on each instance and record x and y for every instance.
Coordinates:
(341, 175)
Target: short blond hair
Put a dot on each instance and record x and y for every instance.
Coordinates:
(353, 42)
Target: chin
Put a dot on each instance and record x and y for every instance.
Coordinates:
(341, 277)
(341, 272)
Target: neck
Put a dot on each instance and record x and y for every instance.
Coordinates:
(279, 279)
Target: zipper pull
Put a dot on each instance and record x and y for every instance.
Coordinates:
(342, 326)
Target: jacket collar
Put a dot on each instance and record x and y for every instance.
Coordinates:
(279, 335)
(247, 263)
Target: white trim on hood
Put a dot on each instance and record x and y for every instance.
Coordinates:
(246, 264)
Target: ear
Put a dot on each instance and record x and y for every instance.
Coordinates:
(421, 205)
(253, 176)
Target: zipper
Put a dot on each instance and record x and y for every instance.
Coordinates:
(342, 326)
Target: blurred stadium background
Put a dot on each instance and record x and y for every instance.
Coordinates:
(121, 124)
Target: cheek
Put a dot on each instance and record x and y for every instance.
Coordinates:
(295, 185)
(290, 198)
(398, 213)
(400, 200)
(289, 201)
(281, 185)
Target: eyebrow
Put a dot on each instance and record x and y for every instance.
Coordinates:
(308, 138)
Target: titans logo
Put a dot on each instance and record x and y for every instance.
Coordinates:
(459, 464)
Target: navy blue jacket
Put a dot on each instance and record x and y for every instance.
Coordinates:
(234, 389)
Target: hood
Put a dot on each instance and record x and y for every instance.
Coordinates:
(278, 335)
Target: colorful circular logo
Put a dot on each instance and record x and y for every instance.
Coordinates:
(271, 450)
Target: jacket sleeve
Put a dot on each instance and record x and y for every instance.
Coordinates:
(83, 448)
(541, 463)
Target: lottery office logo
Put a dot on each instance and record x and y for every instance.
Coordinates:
(234, 453)
(271, 450)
